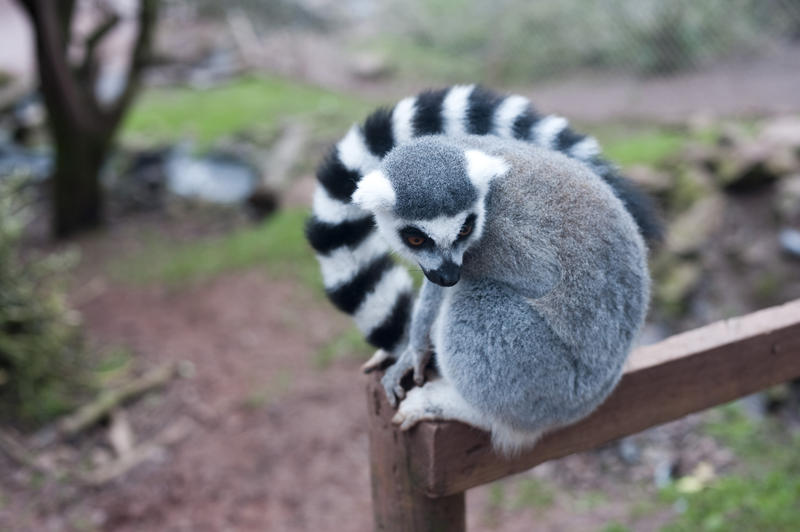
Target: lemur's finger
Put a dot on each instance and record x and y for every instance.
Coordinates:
(399, 392)
(419, 373)
(408, 422)
(398, 418)
(388, 389)
(390, 397)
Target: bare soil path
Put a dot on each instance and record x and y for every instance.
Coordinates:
(277, 443)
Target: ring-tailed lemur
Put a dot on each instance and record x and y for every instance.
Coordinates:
(536, 270)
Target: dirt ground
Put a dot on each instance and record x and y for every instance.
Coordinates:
(275, 442)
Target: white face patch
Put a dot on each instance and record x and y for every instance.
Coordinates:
(443, 229)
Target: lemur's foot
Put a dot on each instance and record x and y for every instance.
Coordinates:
(376, 361)
(437, 400)
(417, 407)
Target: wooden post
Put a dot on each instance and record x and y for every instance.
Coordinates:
(397, 504)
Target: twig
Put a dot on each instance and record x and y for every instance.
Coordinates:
(91, 413)
(88, 69)
(139, 454)
(17, 452)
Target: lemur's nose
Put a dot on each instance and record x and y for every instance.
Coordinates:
(447, 274)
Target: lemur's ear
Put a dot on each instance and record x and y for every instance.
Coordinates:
(374, 192)
(482, 168)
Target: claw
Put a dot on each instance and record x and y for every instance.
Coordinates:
(408, 423)
(375, 361)
(391, 398)
(420, 361)
(399, 392)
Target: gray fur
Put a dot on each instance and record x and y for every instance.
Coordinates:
(552, 292)
(429, 179)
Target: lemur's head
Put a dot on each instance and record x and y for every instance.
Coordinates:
(428, 198)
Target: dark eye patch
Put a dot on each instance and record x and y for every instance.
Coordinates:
(409, 233)
(468, 223)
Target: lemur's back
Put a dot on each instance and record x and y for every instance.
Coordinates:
(537, 331)
(556, 228)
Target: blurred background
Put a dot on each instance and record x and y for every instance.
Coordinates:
(168, 360)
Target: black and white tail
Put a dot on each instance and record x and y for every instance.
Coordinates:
(360, 277)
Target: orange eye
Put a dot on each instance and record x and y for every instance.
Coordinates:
(465, 230)
(415, 241)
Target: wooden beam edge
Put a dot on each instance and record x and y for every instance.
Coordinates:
(775, 331)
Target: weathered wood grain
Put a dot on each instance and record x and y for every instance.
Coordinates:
(397, 505)
(683, 374)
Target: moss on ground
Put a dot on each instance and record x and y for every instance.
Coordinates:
(278, 245)
(251, 104)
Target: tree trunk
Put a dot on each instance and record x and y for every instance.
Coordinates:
(82, 128)
(77, 194)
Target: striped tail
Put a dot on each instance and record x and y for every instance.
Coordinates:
(360, 277)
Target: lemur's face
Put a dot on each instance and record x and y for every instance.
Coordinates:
(419, 222)
(436, 245)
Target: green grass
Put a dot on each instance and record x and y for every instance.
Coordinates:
(264, 394)
(767, 501)
(278, 245)
(614, 527)
(255, 104)
(533, 493)
(761, 494)
(630, 144)
(349, 344)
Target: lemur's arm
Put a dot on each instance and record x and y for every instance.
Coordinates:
(417, 352)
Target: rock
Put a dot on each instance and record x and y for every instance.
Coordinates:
(676, 286)
(783, 131)
(263, 202)
(217, 177)
(369, 66)
(689, 234)
(790, 241)
(701, 121)
(787, 198)
(745, 166)
(629, 452)
(754, 252)
(136, 181)
(16, 160)
(692, 183)
(782, 161)
(732, 135)
(700, 155)
(650, 179)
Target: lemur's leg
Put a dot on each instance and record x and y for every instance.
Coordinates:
(437, 399)
(417, 353)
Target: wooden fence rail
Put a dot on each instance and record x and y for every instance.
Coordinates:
(419, 477)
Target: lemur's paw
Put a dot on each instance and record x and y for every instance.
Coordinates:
(391, 379)
(415, 408)
(376, 361)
